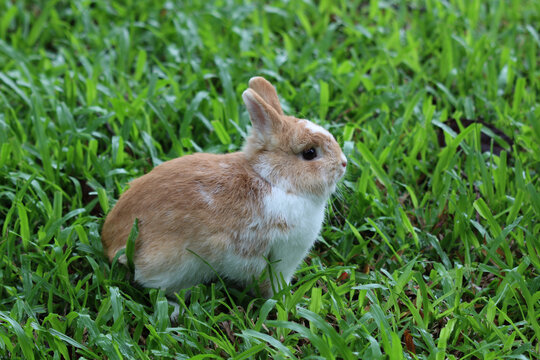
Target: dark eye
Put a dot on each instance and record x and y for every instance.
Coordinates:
(309, 154)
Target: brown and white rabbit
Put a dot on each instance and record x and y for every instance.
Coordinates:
(235, 210)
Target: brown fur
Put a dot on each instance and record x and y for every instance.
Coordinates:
(160, 199)
(267, 93)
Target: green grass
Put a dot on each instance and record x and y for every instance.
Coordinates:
(430, 252)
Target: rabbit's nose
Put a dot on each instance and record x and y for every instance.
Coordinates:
(343, 160)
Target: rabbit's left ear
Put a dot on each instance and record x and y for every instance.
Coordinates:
(265, 90)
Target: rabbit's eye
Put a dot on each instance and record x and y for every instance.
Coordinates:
(309, 154)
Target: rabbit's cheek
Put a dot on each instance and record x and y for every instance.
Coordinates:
(272, 174)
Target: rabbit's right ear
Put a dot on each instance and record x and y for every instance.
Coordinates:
(264, 117)
(265, 90)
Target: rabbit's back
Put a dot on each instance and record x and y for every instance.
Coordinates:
(200, 203)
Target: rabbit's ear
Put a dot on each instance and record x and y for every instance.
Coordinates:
(265, 90)
(263, 116)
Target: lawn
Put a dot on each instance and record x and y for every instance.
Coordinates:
(430, 249)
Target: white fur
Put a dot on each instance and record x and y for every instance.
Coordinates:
(304, 217)
(315, 128)
(240, 268)
(208, 199)
(265, 171)
(193, 270)
(176, 311)
(179, 275)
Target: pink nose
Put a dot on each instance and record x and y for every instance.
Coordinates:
(344, 163)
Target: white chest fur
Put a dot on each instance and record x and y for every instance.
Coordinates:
(304, 217)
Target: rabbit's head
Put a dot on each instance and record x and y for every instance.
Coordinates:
(293, 154)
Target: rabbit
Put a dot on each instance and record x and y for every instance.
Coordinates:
(232, 214)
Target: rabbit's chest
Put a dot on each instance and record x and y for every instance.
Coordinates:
(296, 219)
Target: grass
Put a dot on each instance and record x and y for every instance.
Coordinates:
(430, 252)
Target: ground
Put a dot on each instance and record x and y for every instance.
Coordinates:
(429, 250)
